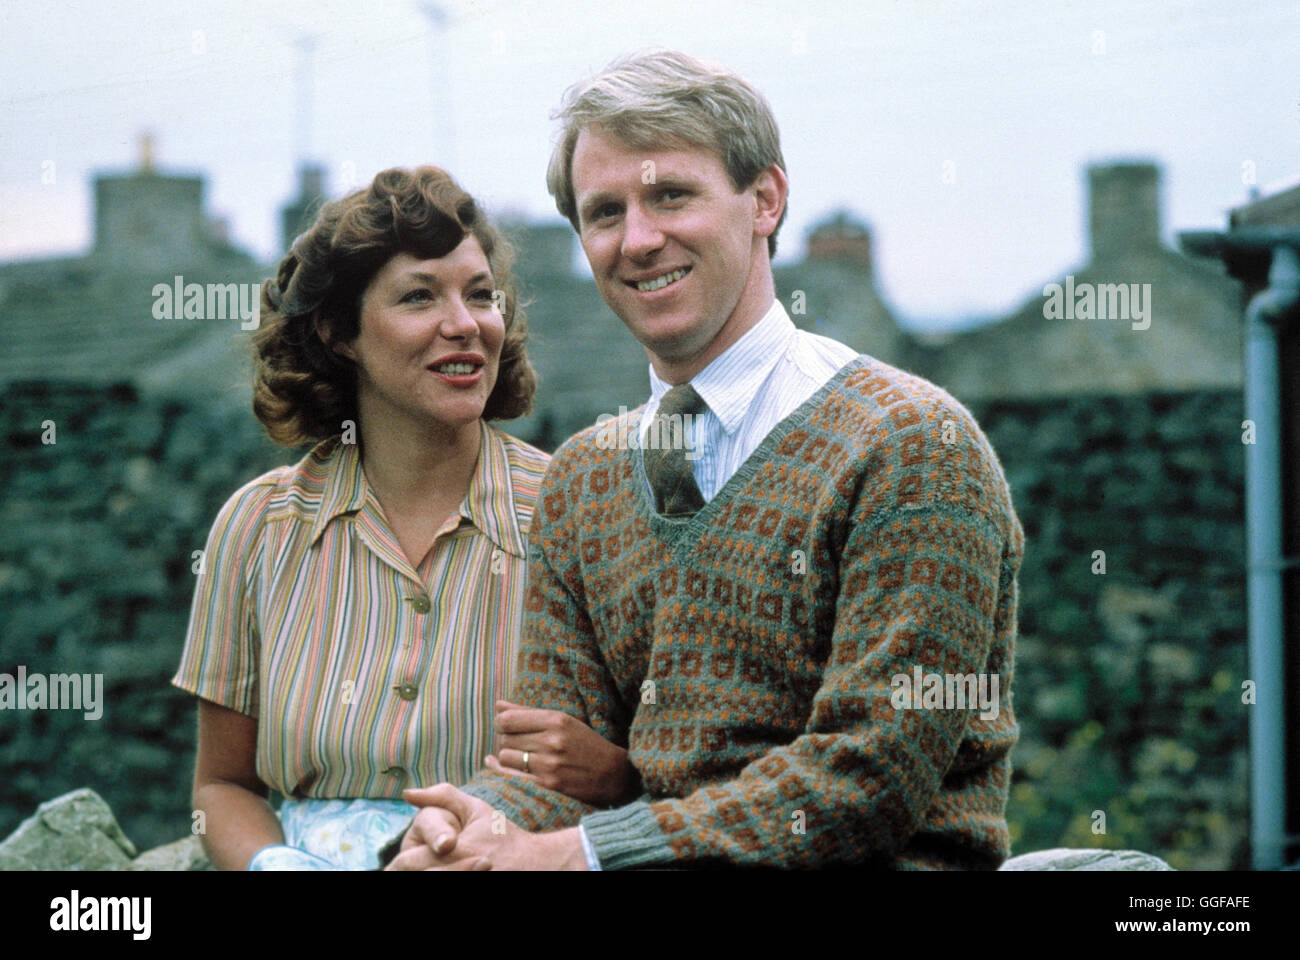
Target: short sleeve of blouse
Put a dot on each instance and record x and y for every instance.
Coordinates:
(220, 660)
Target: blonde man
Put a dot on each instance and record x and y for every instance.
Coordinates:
(740, 617)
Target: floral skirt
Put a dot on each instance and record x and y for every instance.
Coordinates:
(334, 834)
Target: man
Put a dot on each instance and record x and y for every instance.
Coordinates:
(786, 623)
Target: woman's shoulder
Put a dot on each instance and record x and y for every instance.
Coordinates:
(527, 463)
(281, 490)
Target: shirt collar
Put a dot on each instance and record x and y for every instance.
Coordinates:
(344, 488)
(731, 381)
(489, 505)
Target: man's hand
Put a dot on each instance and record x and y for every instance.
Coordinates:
(564, 754)
(455, 831)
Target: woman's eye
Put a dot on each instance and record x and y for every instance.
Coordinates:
(484, 295)
(417, 296)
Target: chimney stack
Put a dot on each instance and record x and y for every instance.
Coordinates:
(841, 239)
(297, 215)
(1123, 208)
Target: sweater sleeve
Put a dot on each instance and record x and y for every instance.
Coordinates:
(918, 588)
(559, 668)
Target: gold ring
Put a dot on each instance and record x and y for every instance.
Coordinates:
(526, 761)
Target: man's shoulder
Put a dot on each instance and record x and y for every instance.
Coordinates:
(886, 396)
(911, 436)
(600, 444)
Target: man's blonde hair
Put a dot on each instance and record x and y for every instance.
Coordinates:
(661, 97)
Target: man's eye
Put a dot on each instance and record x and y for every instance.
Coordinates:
(674, 193)
(605, 211)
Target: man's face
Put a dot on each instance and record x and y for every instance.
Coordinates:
(672, 244)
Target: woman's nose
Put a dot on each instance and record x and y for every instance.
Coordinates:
(457, 321)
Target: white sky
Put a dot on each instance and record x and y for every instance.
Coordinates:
(873, 97)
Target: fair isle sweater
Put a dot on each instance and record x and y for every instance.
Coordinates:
(747, 656)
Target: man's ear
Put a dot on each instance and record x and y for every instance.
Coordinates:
(770, 190)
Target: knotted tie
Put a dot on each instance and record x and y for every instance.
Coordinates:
(664, 453)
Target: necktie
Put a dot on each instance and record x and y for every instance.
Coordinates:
(664, 453)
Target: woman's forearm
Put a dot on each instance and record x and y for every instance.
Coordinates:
(238, 822)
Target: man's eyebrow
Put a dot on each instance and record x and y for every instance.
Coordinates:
(594, 202)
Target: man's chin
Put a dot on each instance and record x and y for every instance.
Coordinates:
(671, 342)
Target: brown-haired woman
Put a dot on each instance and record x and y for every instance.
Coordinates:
(357, 614)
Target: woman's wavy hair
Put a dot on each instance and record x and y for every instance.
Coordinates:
(302, 389)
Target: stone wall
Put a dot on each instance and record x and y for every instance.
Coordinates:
(1128, 683)
(97, 532)
(77, 831)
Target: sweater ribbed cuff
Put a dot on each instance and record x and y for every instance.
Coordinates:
(481, 791)
(627, 837)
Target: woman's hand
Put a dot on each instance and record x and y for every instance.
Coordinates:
(564, 754)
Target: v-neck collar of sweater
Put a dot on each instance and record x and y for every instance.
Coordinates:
(687, 530)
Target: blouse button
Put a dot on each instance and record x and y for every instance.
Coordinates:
(420, 604)
(407, 691)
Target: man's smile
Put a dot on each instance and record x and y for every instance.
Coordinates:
(651, 284)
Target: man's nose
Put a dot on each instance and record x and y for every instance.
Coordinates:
(641, 233)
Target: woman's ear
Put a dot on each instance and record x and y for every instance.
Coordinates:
(325, 331)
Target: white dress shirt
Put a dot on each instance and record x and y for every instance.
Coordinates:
(750, 387)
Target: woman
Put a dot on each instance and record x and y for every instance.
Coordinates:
(357, 614)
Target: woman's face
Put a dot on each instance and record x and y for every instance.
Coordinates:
(429, 339)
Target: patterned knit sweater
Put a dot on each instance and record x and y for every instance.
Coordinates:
(749, 656)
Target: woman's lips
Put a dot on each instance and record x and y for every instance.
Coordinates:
(459, 378)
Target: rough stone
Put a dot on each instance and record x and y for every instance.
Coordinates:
(76, 831)
(184, 854)
(1063, 858)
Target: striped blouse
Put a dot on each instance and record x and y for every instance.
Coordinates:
(367, 676)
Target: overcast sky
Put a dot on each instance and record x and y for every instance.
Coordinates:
(877, 100)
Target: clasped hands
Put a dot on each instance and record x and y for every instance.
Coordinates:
(455, 831)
